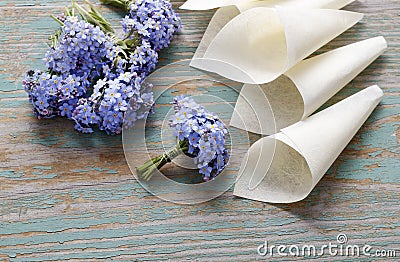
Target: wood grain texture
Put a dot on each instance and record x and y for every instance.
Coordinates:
(65, 195)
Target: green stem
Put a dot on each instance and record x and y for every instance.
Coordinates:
(131, 39)
(93, 16)
(147, 170)
(124, 4)
(57, 20)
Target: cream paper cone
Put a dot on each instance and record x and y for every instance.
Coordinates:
(304, 88)
(260, 44)
(285, 167)
(323, 4)
(230, 10)
(209, 4)
(223, 15)
(247, 4)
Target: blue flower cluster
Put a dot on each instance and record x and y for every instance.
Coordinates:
(73, 65)
(153, 20)
(91, 74)
(205, 135)
(110, 100)
(81, 51)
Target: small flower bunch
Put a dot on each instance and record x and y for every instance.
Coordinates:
(92, 74)
(200, 135)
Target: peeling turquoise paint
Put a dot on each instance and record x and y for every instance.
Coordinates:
(11, 174)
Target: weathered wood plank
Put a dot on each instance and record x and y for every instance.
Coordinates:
(65, 195)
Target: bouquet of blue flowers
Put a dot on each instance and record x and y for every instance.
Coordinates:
(92, 73)
(200, 135)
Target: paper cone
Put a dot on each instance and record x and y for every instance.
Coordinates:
(262, 53)
(304, 88)
(323, 4)
(208, 4)
(247, 4)
(223, 15)
(285, 167)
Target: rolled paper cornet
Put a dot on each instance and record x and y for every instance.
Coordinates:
(209, 4)
(285, 167)
(233, 8)
(260, 44)
(304, 88)
(247, 4)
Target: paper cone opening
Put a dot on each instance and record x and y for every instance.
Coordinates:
(285, 178)
(321, 137)
(304, 88)
(278, 102)
(304, 151)
(221, 17)
(260, 31)
(265, 42)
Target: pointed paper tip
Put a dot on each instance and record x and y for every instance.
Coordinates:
(356, 17)
(383, 40)
(360, 15)
(338, 4)
(376, 90)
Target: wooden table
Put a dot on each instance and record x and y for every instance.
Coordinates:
(64, 195)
